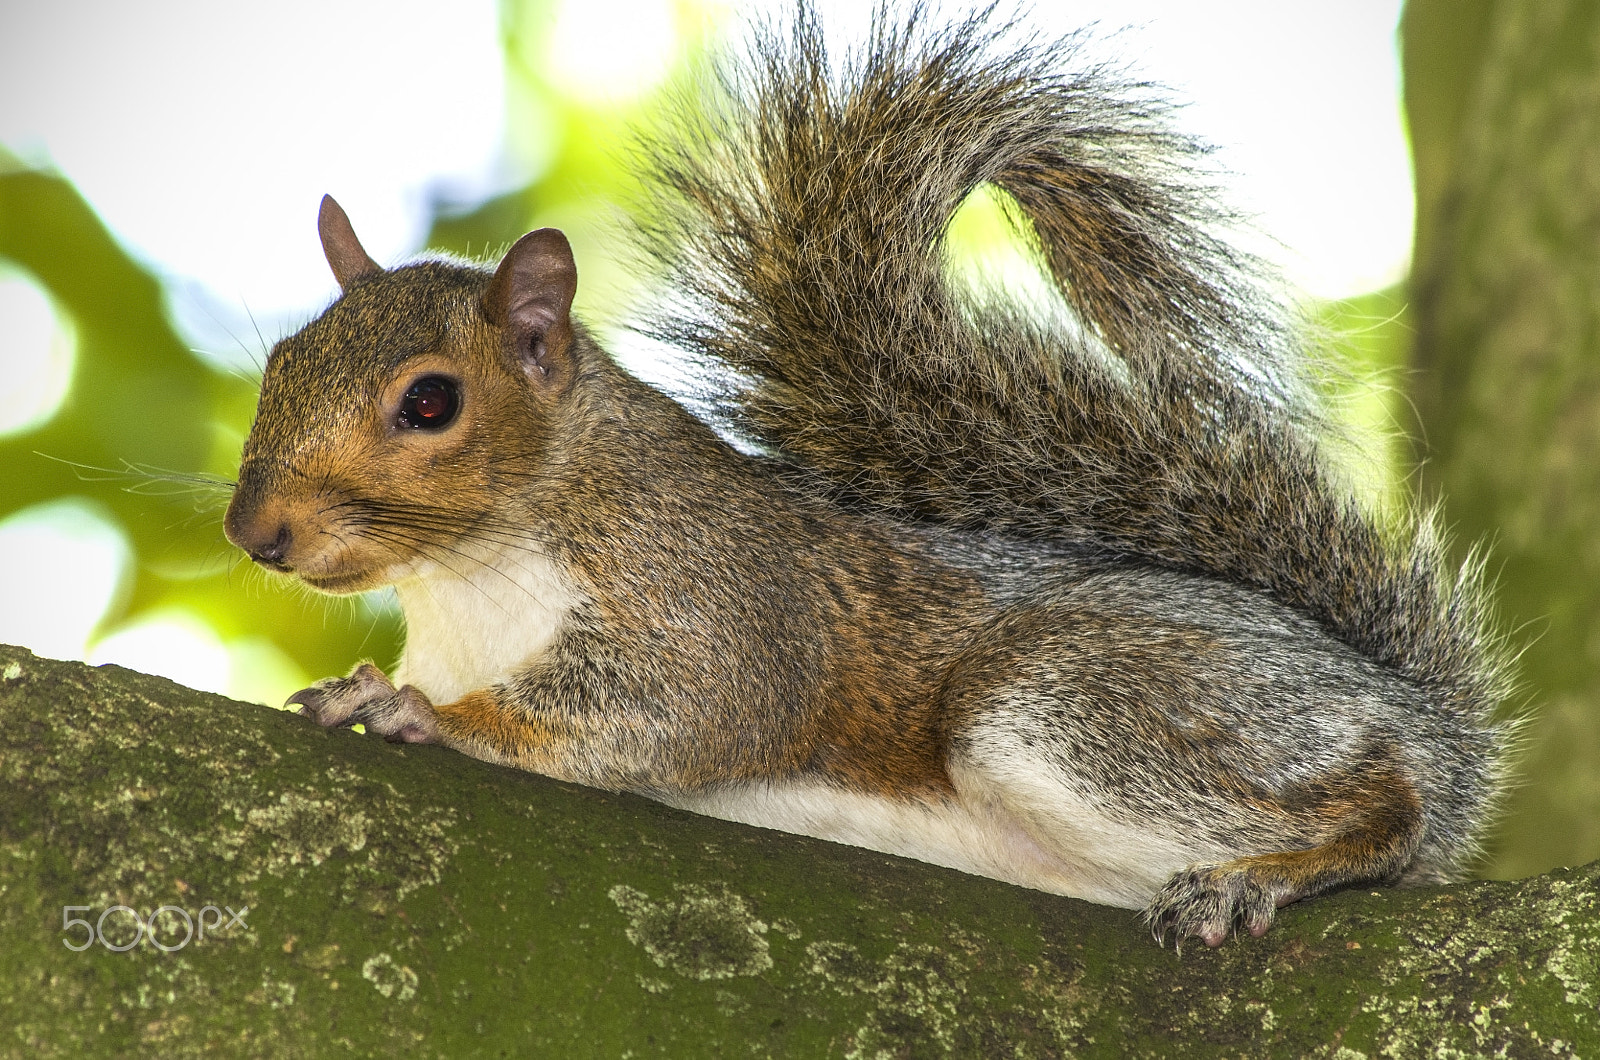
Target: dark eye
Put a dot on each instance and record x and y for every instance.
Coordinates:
(431, 403)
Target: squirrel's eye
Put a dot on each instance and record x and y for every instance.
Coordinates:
(431, 403)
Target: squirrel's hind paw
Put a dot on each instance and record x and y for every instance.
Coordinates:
(1210, 902)
(368, 698)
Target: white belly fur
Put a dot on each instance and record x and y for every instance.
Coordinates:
(1100, 860)
(481, 620)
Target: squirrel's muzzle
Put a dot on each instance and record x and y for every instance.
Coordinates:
(260, 530)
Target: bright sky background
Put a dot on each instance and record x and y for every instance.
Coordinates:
(204, 134)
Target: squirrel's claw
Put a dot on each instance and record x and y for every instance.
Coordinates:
(405, 716)
(368, 698)
(1211, 902)
(333, 701)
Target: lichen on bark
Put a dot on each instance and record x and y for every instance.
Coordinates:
(408, 898)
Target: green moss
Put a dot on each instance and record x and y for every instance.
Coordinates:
(408, 899)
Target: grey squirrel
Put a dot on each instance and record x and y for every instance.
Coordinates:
(1068, 601)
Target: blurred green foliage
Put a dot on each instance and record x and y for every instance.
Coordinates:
(140, 397)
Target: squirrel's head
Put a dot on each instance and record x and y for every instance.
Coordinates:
(395, 424)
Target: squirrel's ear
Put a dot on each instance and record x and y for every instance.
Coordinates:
(346, 258)
(530, 298)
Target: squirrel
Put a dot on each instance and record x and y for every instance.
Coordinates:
(1066, 597)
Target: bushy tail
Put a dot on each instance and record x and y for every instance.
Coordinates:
(801, 224)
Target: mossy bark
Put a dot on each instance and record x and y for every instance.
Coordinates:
(409, 899)
(1503, 98)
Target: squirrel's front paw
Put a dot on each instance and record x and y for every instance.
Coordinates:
(1210, 902)
(368, 698)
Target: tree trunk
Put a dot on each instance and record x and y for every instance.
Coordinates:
(409, 899)
(1504, 104)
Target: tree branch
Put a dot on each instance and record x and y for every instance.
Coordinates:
(371, 897)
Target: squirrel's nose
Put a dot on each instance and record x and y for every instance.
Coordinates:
(272, 553)
(265, 537)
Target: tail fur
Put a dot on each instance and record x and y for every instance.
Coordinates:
(801, 219)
